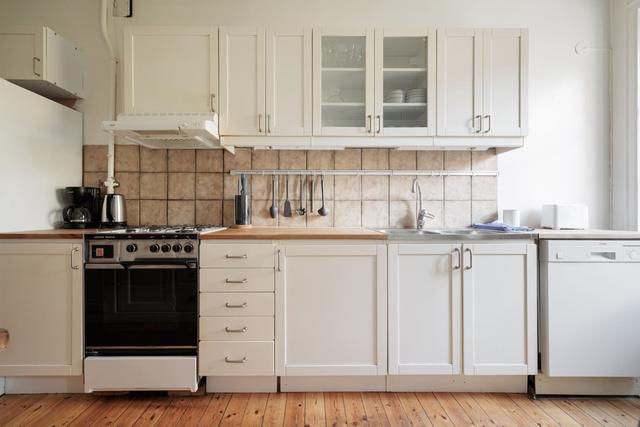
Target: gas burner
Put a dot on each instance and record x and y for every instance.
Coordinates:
(163, 229)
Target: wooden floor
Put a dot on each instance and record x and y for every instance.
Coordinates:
(315, 409)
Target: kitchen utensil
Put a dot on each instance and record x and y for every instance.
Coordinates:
(287, 202)
(273, 210)
(301, 209)
(113, 211)
(323, 211)
(243, 204)
(313, 189)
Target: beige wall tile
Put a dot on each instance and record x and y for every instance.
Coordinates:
(133, 212)
(402, 214)
(457, 160)
(351, 158)
(486, 160)
(375, 214)
(484, 188)
(261, 215)
(94, 179)
(264, 159)
(209, 160)
(228, 213)
(182, 186)
(94, 158)
(181, 212)
(347, 188)
(432, 187)
(127, 158)
(348, 214)
(153, 160)
(295, 220)
(209, 212)
(375, 158)
(457, 188)
(241, 160)
(153, 212)
(129, 184)
(321, 159)
(400, 188)
(315, 220)
(484, 211)
(435, 207)
(402, 159)
(153, 185)
(375, 188)
(457, 214)
(209, 185)
(293, 159)
(430, 160)
(261, 186)
(230, 186)
(182, 160)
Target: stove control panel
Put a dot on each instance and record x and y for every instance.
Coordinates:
(118, 250)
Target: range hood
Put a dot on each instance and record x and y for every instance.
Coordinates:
(179, 130)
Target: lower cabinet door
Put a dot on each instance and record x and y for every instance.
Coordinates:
(500, 319)
(424, 309)
(237, 358)
(331, 304)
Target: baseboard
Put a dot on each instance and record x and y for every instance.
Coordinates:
(587, 386)
(242, 384)
(458, 383)
(35, 385)
(345, 383)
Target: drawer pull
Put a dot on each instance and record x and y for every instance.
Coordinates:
(243, 305)
(229, 330)
(230, 281)
(236, 256)
(243, 360)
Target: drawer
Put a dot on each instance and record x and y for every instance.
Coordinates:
(237, 328)
(237, 280)
(236, 304)
(231, 255)
(236, 358)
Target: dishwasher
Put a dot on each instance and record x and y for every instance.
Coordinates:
(590, 308)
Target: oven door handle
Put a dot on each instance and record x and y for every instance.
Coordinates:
(104, 267)
(145, 264)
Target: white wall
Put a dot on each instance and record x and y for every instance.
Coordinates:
(567, 153)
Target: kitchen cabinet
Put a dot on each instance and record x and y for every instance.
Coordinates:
(331, 309)
(41, 307)
(187, 57)
(482, 83)
(265, 82)
(462, 309)
(41, 60)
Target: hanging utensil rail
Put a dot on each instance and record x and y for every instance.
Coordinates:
(363, 172)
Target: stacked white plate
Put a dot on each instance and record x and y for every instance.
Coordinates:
(394, 96)
(416, 96)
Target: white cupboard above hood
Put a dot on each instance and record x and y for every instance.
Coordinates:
(180, 130)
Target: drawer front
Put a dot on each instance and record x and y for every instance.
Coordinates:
(236, 358)
(229, 255)
(237, 328)
(237, 280)
(236, 304)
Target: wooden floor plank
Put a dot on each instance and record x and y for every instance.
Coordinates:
(376, 415)
(314, 409)
(116, 408)
(151, 415)
(36, 409)
(216, 409)
(13, 405)
(294, 410)
(498, 415)
(176, 407)
(627, 407)
(620, 415)
(434, 410)
(635, 401)
(235, 410)
(456, 414)
(334, 410)
(473, 410)
(274, 412)
(197, 405)
(557, 414)
(354, 409)
(254, 413)
(534, 412)
(591, 408)
(576, 413)
(64, 412)
(96, 410)
(414, 410)
(507, 404)
(393, 409)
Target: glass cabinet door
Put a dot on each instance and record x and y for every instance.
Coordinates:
(405, 83)
(343, 83)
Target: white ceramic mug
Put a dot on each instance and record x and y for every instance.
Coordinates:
(511, 217)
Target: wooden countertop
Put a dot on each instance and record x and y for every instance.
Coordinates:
(61, 233)
(272, 233)
(544, 234)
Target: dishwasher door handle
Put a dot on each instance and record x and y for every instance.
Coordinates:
(607, 255)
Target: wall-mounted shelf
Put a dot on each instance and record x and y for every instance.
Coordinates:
(362, 172)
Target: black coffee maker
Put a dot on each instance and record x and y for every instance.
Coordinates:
(85, 209)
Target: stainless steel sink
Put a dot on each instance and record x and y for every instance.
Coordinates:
(452, 234)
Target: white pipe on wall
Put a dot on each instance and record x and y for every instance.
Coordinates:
(113, 64)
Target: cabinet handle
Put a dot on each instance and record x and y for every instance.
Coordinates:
(228, 360)
(34, 66)
(470, 266)
(477, 130)
(243, 305)
(379, 119)
(212, 100)
(260, 123)
(4, 338)
(234, 331)
(229, 281)
(369, 123)
(244, 256)
(268, 123)
(73, 252)
(459, 257)
(489, 118)
(279, 268)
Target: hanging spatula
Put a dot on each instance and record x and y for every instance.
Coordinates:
(287, 202)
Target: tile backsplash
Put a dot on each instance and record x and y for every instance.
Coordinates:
(193, 186)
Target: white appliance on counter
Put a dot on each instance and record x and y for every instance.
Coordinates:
(565, 217)
(590, 309)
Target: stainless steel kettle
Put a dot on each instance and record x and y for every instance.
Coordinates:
(114, 213)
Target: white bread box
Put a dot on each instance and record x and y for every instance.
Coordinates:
(565, 217)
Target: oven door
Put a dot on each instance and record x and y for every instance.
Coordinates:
(141, 308)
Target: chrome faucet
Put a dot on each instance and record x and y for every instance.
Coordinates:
(421, 214)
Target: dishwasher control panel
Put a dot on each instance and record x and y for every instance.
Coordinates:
(589, 251)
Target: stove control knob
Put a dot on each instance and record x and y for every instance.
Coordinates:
(154, 248)
(188, 248)
(132, 247)
(166, 247)
(177, 247)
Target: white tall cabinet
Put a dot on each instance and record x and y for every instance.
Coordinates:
(41, 307)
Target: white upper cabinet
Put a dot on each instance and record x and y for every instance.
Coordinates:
(482, 83)
(343, 82)
(242, 81)
(170, 69)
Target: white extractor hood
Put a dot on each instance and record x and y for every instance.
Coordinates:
(179, 130)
